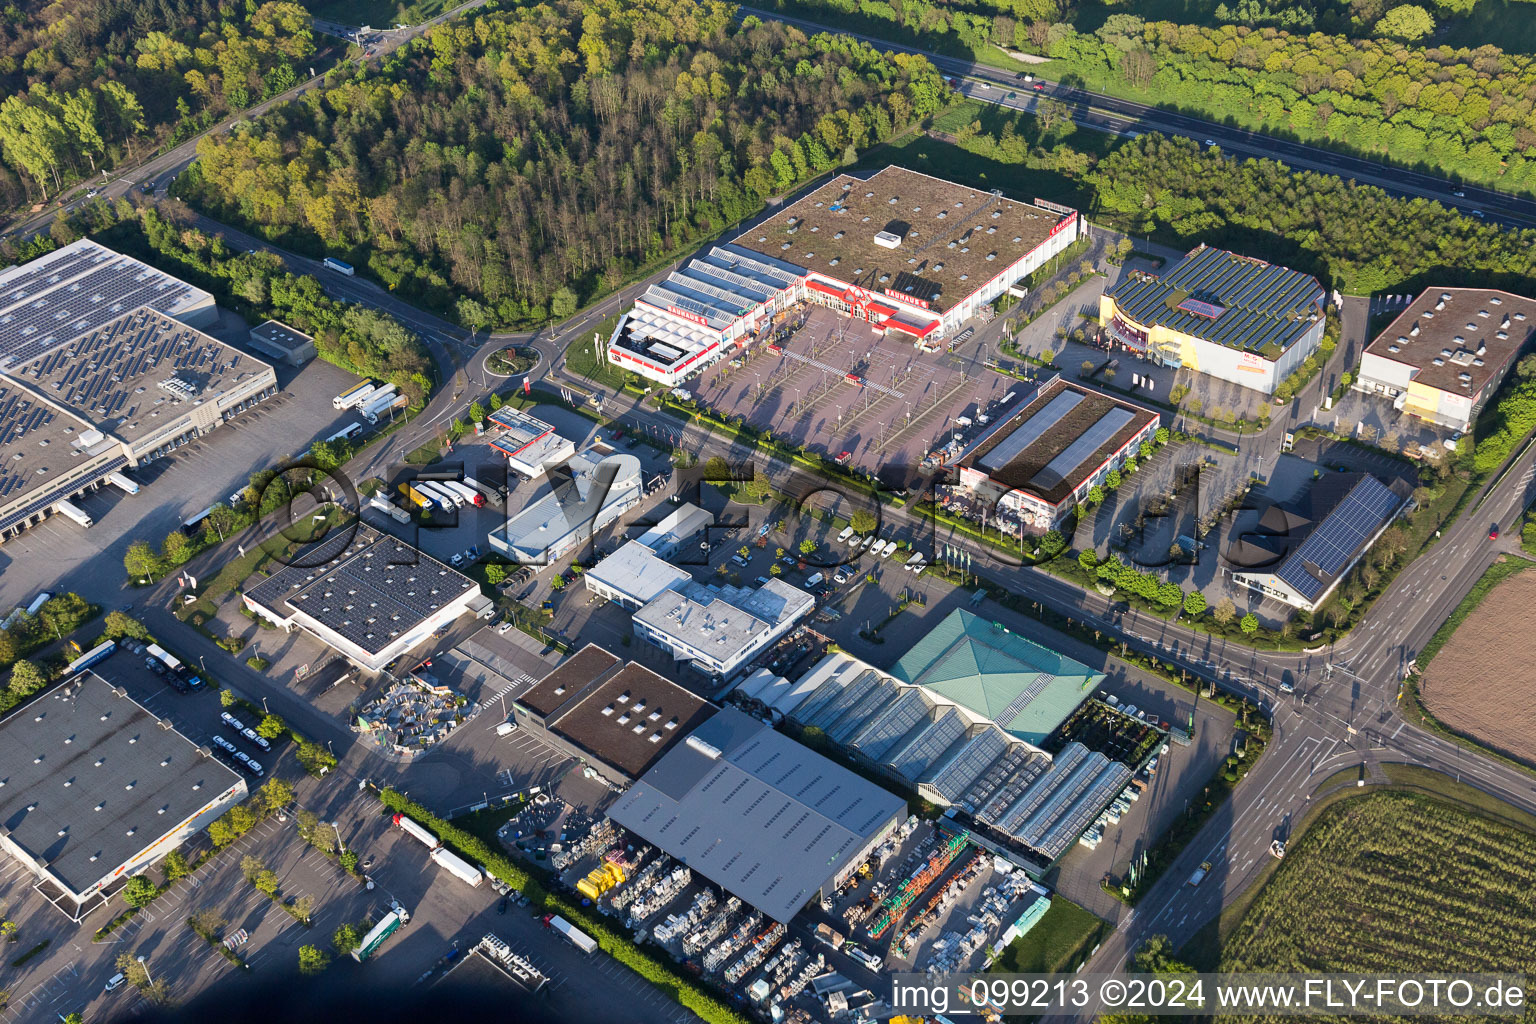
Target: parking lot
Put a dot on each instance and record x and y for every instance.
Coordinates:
(904, 403)
(59, 555)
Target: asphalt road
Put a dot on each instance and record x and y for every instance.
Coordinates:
(1109, 113)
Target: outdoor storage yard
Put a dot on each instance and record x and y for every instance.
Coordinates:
(1479, 683)
(902, 402)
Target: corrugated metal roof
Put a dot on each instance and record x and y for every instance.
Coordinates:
(757, 813)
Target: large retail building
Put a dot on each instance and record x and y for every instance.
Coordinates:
(912, 255)
(1236, 318)
(1446, 354)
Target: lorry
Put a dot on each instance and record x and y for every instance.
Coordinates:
(391, 923)
(74, 512)
(166, 657)
(457, 866)
(1200, 873)
(444, 498)
(466, 492)
(491, 494)
(122, 483)
(418, 497)
(575, 936)
(374, 413)
(340, 266)
(354, 396)
(377, 401)
(416, 831)
(396, 513)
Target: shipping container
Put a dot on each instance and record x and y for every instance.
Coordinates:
(575, 936)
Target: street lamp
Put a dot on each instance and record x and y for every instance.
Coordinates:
(336, 827)
(145, 964)
(265, 710)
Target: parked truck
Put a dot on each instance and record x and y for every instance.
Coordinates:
(374, 413)
(468, 493)
(391, 923)
(457, 866)
(417, 497)
(166, 657)
(354, 396)
(74, 512)
(396, 513)
(416, 831)
(122, 483)
(445, 498)
(575, 936)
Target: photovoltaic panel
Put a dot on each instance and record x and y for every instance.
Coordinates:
(1030, 431)
(1339, 537)
(1110, 424)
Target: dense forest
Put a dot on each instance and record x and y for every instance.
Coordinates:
(1357, 236)
(90, 83)
(1469, 114)
(512, 164)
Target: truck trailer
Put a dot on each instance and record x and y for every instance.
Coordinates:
(418, 497)
(395, 512)
(74, 512)
(575, 936)
(416, 832)
(374, 413)
(390, 924)
(122, 483)
(466, 492)
(354, 396)
(442, 495)
(457, 866)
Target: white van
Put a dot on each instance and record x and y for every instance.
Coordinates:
(815, 580)
(113, 983)
(847, 532)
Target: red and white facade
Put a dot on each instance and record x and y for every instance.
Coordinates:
(715, 305)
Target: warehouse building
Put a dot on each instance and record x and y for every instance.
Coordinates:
(763, 817)
(717, 629)
(911, 255)
(530, 445)
(582, 498)
(101, 368)
(621, 718)
(1041, 462)
(283, 343)
(96, 788)
(961, 719)
(633, 576)
(366, 595)
(1301, 550)
(1236, 318)
(1444, 357)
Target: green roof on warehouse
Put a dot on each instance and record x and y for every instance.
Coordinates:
(1027, 689)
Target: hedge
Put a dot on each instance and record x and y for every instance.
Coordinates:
(659, 972)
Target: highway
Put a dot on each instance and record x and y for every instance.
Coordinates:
(1120, 116)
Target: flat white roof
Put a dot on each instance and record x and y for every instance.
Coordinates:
(634, 570)
(680, 524)
(564, 511)
(725, 620)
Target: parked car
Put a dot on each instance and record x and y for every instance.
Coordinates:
(231, 721)
(761, 581)
(740, 561)
(260, 741)
(223, 744)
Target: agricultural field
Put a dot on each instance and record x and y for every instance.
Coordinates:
(1479, 683)
(1395, 882)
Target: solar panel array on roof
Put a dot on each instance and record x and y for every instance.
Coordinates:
(369, 588)
(1030, 431)
(1073, 456)
(1226, 299)
(1330, 547)
(73, 291)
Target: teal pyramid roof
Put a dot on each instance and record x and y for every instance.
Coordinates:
(1027, 689)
